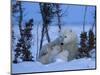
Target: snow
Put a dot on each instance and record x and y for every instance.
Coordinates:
(92, 53)
(59, 65)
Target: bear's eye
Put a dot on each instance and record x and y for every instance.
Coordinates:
(65, 36)
(62, 43)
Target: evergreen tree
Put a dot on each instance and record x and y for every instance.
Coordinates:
(91, 40)
(17, 9)
(83, 50)
(18, 50)
(23, 46)
(27, 56)
(91, 36)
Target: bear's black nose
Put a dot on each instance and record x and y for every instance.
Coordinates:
(62, 43)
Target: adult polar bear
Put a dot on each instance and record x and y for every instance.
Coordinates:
(64, 47)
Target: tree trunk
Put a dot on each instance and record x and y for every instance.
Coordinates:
(44, 28)
(58, 15)
(37, 54)
(94, 20)
(47, 34)
(84, 18)
(42, 36)
(20, 18)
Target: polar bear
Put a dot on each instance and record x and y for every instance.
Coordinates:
(64, 47)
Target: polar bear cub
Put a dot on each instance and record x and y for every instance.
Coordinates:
(62, 56)
(49, 57)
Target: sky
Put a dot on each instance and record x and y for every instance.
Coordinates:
(74, 14)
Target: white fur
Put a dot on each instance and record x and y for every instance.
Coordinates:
(63, 55)
(66, 52)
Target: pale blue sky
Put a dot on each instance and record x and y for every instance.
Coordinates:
(73, 16)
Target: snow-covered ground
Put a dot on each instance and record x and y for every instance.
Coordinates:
(24, 67)
(79, 64)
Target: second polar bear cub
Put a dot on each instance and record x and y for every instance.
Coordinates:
(64, 47)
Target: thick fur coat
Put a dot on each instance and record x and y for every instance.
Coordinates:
(64, 47)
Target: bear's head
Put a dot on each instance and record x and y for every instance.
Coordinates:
(68, 35)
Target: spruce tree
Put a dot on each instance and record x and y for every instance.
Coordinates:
(27, 55)
(91, 40)
(18, 50)
(83, 50)
(23, 46)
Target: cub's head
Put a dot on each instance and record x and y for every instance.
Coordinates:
(68, 35)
